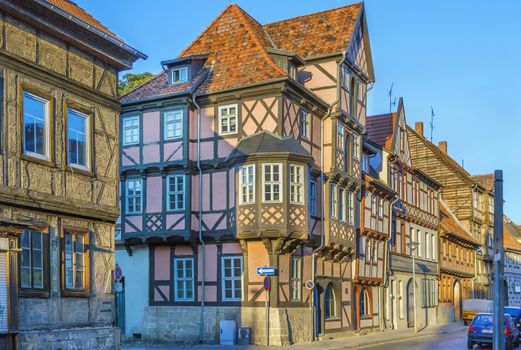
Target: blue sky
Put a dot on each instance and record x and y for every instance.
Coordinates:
(461, 57)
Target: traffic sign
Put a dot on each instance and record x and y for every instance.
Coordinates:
(118, 273)
(309, 284)
(267, 283)
(267, 271)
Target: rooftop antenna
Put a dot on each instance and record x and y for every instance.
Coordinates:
(432, 121)
(391, 101)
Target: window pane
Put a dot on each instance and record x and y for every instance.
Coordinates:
(35, 110)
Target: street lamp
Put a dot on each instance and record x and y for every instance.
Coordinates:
(414, 246)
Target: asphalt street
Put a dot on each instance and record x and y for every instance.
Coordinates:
(447, 341)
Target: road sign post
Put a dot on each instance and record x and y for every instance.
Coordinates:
(499, 288)
(267, 287)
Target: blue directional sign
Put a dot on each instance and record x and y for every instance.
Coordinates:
(267, 271)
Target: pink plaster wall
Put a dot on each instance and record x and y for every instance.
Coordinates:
(154, 194)
(211, 219)
(172, 218)
(132, 152)
(210, 293)
(206, 150)
(210, 263)
(172, 151)
(225, 146)
(231, 197)
(162, 263)
(257, 256)
(183, 250)
(206, 192)
(136, 221)
(165, 290)
(232, 248)
(219, 193)
(151, 127)
(151, 153)
(195, 192)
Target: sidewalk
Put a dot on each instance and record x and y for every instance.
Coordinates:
(353, 342)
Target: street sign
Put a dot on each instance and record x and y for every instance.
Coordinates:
(118, 273)
(266, 271)
(267, 283)
(309, 284)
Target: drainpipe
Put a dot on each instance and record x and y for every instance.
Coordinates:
(322, 223)
(387, 264)
(201, 240)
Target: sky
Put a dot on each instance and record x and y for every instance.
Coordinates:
(463, 58)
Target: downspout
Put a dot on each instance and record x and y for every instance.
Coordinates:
(322, 223)
(200, 226)
(386, 262)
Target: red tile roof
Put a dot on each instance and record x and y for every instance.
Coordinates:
(317, 34)
(450, 224)
(234, 43)
(78, 12)
(485, 180)
(509, 241)
(380, 129)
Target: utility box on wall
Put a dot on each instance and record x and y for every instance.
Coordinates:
(244, 336)
(227, 333)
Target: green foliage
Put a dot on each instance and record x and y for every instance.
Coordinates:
(131, 81)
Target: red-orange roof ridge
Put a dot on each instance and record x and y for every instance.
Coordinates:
(318, 13)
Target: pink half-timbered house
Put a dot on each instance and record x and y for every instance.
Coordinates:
(246, 152)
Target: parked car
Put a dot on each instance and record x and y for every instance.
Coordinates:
(481, 331)
(472, 307)
(515, 313)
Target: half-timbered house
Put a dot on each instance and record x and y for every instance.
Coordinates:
(58, 176)
(373, 237)
(457, 265)
(415, 219)
(512, 246)
(470, 201)
(246, 153)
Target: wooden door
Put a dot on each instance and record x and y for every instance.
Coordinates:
(410, 304)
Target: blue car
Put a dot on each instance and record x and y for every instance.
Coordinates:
(481, 331)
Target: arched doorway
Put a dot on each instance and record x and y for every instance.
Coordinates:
(410, 303)
(457, 301)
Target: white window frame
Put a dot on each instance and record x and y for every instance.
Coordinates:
(232, 278)
(356, 146)
(380, 201)
(374, 255)
(296, 184)
(272, 183)
(175, 119)
(350, 206)
(313, 197)
(341, 204)
(134, 140)
(228, 118)
(305, 124)
(334, 201)
(188, 282)
(127, 196)
(296, 278)
(340, 137)
(175, 192)
(47, 126)
(247, 187)
(181, 78)
(87, 119)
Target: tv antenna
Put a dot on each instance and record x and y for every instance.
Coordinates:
(432, 121)
(391, 101)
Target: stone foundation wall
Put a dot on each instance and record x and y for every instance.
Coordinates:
(100, 338)
(445, 313)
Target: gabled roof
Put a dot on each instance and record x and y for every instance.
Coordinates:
(322, 33)
(450, 224)
(266, 142)
(509, 240)
(380, 129)
(78, 12)
(234, 43)
(486, 181)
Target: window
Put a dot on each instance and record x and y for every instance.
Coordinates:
(340, 137)
(433, 246)
(272, 182)
(176, 192)
(305, 124)
(247, 184)
(374, 256)
(75, 260)
(352, 97)
(401, 297)
(78, 139)
(292, 71)
(130, 130)
(179, 75)
(296, 282)
(330, 303)
(36, 126)
(367, 250)
(346, 78)
(173, 127)
(419, 247)
(341, 207)
(232, 278)
(373, 205)
(33, 249)
(184, 279)
(356, 146)
(228, 120)
(313, 197)
(134, 196)
(364, 303)
(296, 183)
(334, 202)
(380, 208)
(350, 208)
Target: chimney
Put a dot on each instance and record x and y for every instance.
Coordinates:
(419, 128)
(443, 146)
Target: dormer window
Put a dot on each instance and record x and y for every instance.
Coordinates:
(179, 75)
(292, 71)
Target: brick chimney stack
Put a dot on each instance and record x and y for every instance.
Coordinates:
(443, 146)
(419, 128)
